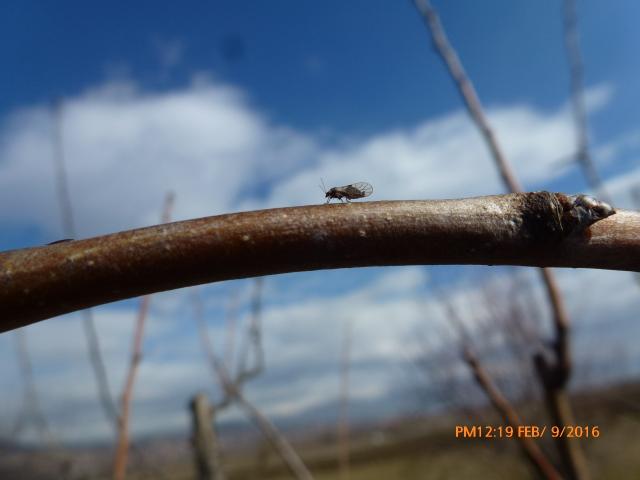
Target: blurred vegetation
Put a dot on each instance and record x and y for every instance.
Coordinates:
(406, 449)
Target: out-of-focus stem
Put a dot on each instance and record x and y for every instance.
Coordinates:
(122, 446)
(576, 72)
(68, 227)
(562, 364)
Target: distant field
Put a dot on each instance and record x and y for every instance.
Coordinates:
(406, 449)
(408, 452)
(612, 456)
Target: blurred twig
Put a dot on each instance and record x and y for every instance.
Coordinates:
(232, 324)
(510, 416)
(122, 447)
(467, 91)
(503, 406)
(515, 229)
(343, 421)
(31, 409)
(232, 389)
(555, 373)
(253, 339)
(68, 227)
(576, 72)
(205, 441)
(62, 183)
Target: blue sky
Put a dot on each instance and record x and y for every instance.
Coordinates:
(238, 106)
(372, 61)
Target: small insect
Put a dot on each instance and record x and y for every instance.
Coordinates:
(348, 192)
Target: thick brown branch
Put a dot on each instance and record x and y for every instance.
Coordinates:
(513, 229)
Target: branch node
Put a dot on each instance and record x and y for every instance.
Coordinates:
(551, 217)
(581, 211)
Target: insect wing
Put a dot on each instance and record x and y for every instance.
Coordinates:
(365, 189)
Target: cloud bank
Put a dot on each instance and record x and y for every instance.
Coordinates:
(124, 149)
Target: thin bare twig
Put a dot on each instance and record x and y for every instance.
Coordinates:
(232, 324)
(233, 393)
(554, 375)
(122, 447)
(576, 72)
(253, 339)
(343, 421)
(533, 229)
(68, 227)
(62, 183)
(467, 91)
(537, 459)
(31, 409)
(510, 416)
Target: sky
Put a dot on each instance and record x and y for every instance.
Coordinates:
(237, 106)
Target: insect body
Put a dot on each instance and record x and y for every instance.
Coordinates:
(348, 192)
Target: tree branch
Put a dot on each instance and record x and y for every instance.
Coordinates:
(561, 370)
(122, 441)
(68, 229)
(467, 91)
(511, 417)
(531, 229)
(233, 394)
(576, 73)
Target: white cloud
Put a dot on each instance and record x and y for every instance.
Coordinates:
(445, 157)
(598, 97)
(302, 340)
(126, 148)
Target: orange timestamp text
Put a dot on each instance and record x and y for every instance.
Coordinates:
(527, 431)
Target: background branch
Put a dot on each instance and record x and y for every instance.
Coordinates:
(576, 73)
(510, 416)
(31, 408)
(252, 341)
(344, 447)
(122, 445)
(529, 447)
(560, 368)
(68, 227)
(232, 389)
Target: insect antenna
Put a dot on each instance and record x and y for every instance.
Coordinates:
(323, 188)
